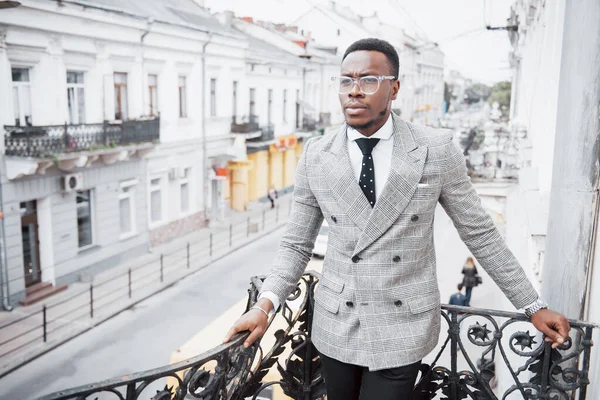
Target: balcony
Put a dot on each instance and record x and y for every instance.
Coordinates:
(249, 127)
(308, 124)
(32, 149)
(267, 134)
(485, 338)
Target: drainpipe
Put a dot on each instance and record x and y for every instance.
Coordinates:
(3, 266)
(147, 31)
(203, 116)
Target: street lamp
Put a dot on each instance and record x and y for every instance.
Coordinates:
(9, 4)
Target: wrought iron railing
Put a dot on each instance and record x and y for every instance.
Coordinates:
(267, 134)
(47, 141)
(229, 371)
(309, 124)
(324, 119)
(242, 126)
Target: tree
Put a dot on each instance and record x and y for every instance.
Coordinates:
(501, 92)
(476, 93)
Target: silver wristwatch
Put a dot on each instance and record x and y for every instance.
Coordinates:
(535, 307)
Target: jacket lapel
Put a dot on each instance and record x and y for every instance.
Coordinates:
(342, 182)
(408, 160)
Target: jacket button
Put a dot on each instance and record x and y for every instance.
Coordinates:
(356, 259)
(350, 304)
(414, 218)
(398, 303)
(333, 218)
(396, 259)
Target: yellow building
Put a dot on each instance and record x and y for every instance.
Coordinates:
(274, 165)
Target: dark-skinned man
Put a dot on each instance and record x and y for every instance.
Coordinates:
(377, 182)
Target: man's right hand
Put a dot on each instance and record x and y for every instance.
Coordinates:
(254, 321)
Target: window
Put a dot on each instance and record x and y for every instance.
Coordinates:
(252, 103)
(84, 218)
(155, 200)
(127, 208)
(185, 191)
(213, 97)
(21, 96)
(284, 105)
(235, 90)
(153, 94)
(121, 112)
(182, 97)
(76, 97)
(269, 105)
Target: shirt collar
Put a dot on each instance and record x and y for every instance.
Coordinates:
(384, 133)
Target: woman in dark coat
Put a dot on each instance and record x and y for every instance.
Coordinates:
(471, 278)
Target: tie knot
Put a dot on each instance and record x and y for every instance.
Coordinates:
(366, 145)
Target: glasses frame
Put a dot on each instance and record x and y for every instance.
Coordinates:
(356, 81)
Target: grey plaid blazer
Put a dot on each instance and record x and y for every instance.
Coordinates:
(378, 302)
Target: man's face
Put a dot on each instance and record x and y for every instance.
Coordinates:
(364, 111)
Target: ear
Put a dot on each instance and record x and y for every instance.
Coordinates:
(395, 89)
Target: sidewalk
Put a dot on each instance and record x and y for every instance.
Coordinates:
(85, 305)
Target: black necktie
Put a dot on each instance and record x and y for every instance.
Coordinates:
(367, 173)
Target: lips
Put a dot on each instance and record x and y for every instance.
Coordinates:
(354, 108)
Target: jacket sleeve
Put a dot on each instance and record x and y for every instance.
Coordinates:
(295, 248)
(478, 231)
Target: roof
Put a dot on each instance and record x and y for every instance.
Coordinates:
(260, 47)
(186, 12)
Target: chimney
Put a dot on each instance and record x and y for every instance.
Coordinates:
(228, 18)
(248, 19)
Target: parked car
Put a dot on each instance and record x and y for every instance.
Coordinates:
(321, 242)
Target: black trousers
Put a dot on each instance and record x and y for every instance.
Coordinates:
(352, 382)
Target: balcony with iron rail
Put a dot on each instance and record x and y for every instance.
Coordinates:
(249, 128)
(485, 340)
(33, 149)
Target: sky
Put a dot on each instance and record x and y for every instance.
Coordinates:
(457, 25)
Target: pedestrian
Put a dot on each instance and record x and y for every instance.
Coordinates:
(458, 299)
(272, 195)
(377, 182)
(471, 278)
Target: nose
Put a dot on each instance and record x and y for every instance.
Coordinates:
(355, 92)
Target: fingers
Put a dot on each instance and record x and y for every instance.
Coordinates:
(256, 333)
(256, 323)
(553, 336)
(563, 327)
(239, 326)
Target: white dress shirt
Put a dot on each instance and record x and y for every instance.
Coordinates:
(382, 159)
(382, 154)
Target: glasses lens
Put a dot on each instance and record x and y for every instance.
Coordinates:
(369, 84)
(342, 85)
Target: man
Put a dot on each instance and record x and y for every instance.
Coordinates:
(458, 299)
(377, 182)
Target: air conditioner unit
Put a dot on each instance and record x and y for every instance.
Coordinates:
(72, 182)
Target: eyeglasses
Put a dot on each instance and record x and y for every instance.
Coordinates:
(367, 84)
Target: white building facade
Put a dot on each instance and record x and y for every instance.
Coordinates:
(107, 149)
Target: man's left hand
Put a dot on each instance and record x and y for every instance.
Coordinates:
(555, 326)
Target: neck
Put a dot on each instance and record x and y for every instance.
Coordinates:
(370, 130)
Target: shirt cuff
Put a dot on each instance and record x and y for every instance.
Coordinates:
(274, 299)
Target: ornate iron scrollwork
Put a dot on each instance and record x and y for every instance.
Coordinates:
(229, 371)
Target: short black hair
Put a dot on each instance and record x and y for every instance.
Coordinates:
(374, 44)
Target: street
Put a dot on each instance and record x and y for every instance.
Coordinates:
(146, 336)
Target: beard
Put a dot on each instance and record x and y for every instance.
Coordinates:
(370, 123)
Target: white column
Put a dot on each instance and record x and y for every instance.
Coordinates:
(44, 215)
